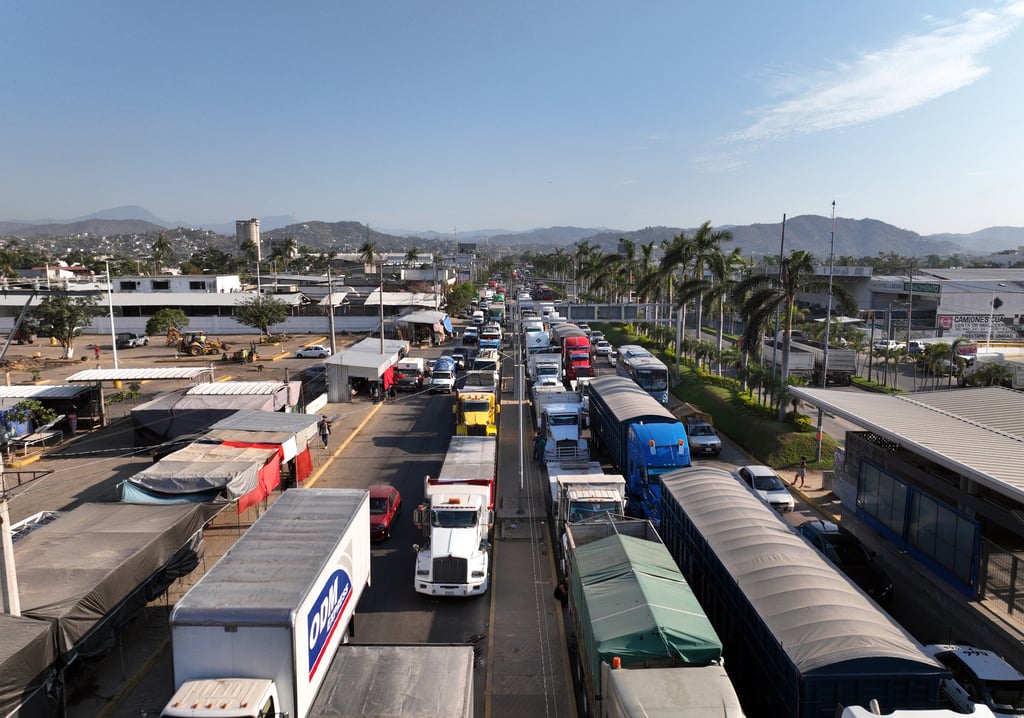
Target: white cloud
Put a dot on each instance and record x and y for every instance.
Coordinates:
(916, 69)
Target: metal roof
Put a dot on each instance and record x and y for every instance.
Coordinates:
(817, 616)
(237, 388)
(59, 391)
(182, 373)
(978, 433)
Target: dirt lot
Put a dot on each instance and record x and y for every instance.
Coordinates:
(41, 361)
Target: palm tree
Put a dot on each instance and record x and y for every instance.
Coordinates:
(412, 256)
(163, 253)
(705, 243)
(368, 254)
(250, 250)
(763, 295)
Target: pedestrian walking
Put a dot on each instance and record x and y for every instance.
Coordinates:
(536, 444)
(801, 473)
(392, 392)
(96, 351)
(541, 446)
(72, 419)
(325, 430)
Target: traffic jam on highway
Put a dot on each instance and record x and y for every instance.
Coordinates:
(773, 610)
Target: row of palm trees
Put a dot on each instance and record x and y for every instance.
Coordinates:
(698, 271)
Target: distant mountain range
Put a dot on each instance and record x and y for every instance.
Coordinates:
(853, 237)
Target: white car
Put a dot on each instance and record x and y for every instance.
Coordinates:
(313, 351)
(891, 345)
(980, 677)
(613, 357)
(768, 485)
(602, 348)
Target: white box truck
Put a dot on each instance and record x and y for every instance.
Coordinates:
(256, 635)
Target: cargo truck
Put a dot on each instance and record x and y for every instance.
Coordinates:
(581, 489)
(456, 517)
(535, 337)
(544, 369)
(257, 633)
(574, 346)
(642, 438)
(792, 652)
(377, 681)
(842, 362)
(646, 661)
(561, 425)
(801, 361)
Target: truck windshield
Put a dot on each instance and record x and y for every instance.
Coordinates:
(453, 519)
(563, 419)
(582, 511)
(474, 406)
(547, 370)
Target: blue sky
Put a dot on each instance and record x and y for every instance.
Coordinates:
(469, 114)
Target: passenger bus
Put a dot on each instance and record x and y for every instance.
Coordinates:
(649, 372)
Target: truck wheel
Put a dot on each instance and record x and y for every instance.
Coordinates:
(195, 350)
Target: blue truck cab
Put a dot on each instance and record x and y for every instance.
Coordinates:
(652, 450)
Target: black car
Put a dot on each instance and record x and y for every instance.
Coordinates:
(850, 556)
(460, 355)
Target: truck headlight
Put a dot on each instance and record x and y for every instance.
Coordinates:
(423, 572)
(477, 574)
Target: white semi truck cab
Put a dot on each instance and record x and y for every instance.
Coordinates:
(456, 518)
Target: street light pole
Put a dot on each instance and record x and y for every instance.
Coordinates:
(828, 312)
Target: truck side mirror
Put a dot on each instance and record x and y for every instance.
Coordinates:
(419, 517)
(490, 516)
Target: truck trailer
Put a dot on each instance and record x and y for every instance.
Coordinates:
(843, 650)
(801, 361)
(842, 362)
(378, 681)
(456, 518)
(257, 633)
(643, 439)
(621, 653)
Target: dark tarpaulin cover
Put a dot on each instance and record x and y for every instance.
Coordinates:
(78, 569)
(27, 656)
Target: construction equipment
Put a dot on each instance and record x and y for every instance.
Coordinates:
(173, 336)
(198, 344)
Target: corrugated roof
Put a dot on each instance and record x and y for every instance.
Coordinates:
(59, 391)
(182, 373)
(237, 388)
(978, 433)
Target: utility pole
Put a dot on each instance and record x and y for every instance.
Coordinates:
(330, 310)
(110, 304)
(828, 312)
(11, 601)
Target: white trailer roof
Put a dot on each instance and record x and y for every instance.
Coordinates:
(267, 573)
(470, 457)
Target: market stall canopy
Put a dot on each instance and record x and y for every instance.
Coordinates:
(292, 431)
(204, 472)
(83, 570)
(27, 663)
(427, 317)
